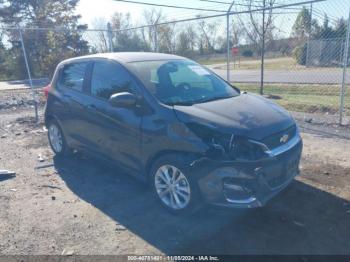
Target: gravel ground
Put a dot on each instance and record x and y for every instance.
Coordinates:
(79, 206)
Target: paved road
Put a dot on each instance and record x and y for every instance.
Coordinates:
(20, 84)
(309, 76)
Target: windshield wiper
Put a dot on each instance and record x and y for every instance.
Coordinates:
(213, 99)
(188, 103)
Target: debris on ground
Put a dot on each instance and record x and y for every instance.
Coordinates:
(67, 252)
(7, 172)
(308, 119)
(271, 96)
(120, 227)
(53, 198)
(49, 186)
(44, 166)
(13, 189)
(3, 136)
(41, 158)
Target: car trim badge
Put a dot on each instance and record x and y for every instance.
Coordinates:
(284, 138)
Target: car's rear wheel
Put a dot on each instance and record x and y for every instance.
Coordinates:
(173, 186)
(56, 139)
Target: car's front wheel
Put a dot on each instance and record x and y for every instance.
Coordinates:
(173, 186)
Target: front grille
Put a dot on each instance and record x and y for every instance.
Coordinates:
(274, 140)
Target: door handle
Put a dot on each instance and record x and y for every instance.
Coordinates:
(94, 108)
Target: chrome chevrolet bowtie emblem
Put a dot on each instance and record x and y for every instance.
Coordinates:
(284, 138)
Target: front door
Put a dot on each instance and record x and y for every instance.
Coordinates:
(115, 131)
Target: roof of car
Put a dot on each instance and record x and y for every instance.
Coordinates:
(127, 57)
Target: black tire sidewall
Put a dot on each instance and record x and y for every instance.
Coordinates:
(182, 163)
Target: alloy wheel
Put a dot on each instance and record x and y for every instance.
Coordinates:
(172, 187)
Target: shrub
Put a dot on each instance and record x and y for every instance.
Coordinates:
(299, 54)
(247, 53)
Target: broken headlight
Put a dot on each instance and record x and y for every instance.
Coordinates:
(247, 150)
(231, 146)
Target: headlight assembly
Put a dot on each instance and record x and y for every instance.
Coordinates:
(234, 147)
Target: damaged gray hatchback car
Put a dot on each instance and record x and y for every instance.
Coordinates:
(176, 124)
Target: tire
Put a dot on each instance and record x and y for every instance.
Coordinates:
(167, 170)
(58, 145)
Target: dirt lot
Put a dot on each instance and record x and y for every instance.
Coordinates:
(79, 206)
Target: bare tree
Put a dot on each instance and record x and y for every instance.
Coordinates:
(207, 36)
(100, 40)
(149, 35)
(167, 38)
(259, 28)
(192, 37)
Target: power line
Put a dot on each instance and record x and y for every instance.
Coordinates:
(177, 21)
(171, 6)
(244, 5)
(219, 2)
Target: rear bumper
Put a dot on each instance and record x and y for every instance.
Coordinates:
(248, 184)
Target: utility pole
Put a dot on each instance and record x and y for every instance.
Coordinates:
(263, 51)
(228, 42)
(110, 36)
(29, 76)
(346, 61)
(155, 36)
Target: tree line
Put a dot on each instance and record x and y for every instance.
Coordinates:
(200, 38)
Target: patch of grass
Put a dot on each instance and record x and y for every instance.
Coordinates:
(270, 64)
(304, 98)
(280, 63)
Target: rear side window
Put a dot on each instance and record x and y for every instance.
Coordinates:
(109, 78)
(72, 76)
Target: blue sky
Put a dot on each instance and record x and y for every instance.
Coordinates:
(90, 10)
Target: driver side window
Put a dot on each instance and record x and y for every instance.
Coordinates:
(109, 78)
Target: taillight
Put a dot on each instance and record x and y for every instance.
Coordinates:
(47, 90)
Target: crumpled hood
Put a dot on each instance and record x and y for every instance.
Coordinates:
(246, 115)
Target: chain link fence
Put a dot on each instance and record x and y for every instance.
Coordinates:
(304, 69)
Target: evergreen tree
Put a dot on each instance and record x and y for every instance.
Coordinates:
(45, 48)
(302, 27)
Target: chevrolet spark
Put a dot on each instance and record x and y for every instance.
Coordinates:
(174, 123)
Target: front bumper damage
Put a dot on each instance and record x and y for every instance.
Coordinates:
(248, 184)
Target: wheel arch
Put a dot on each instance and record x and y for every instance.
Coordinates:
(191, 156)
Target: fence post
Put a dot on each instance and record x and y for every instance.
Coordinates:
(345, 61)
(309, 36)
(263, 50)
(155, 36)
(110, 36)
(29, 76)
(228, 42)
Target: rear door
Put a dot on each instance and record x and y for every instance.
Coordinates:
(72, 86)
(114, 131)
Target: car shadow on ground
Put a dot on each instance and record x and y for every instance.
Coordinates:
(301, 220)
(4, 177)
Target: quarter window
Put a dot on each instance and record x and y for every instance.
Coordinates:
(72, 76)
(109, 78)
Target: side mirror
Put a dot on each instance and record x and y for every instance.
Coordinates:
(123, 99)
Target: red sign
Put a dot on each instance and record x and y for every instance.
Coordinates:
(235, 50)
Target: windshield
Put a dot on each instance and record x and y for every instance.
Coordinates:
(181, 82)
